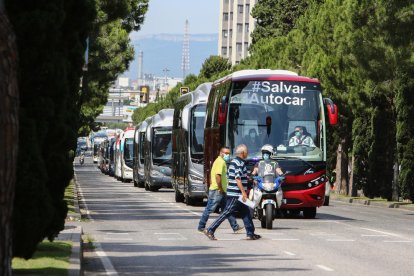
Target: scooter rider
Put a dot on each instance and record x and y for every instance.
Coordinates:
(267, 168)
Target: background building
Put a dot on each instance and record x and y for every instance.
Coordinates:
(235, 26)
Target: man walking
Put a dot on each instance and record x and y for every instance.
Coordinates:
(217, 191)
(237, 186)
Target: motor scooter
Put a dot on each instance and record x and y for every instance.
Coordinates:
(268, 197)
(81, 159)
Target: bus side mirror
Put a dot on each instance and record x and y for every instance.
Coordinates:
(332, 111)
(222, 111)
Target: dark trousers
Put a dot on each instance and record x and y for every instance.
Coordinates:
(233, 205)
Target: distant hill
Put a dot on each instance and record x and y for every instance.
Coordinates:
(165, 50)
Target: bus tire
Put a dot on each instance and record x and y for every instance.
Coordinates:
(309, 213)
(179, 197)
(326, 202)
(188, 200)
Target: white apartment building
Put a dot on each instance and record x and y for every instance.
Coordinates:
(235, 26)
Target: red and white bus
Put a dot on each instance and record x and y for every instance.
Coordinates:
(257, 107)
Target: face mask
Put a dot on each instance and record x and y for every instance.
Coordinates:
(298, 134)
(226, 157)
(252, 135)
(266, 156)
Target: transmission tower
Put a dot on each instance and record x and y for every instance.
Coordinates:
(185, 63)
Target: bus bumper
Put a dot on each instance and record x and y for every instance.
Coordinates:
(160, 181)
(298, 199)
(196, 190)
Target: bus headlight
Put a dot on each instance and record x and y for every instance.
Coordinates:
(156, 174)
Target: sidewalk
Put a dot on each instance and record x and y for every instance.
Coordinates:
(372, 202)
(73, 232)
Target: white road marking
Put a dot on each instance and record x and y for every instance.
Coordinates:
(109, 268)
(172, 239)
(340, 240)
(321, 234)
(398, 241)
(325, 268)
(230, 239)
(289, 253)
(285, 239)
(117, 239)
(106, 262)
(374, 235)
(382, 232)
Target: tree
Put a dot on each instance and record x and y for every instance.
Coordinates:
(51, 38)
(110, 53)
(276, 17)
(9, 123)
(214, 65)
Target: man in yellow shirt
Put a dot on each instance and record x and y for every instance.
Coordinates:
(217, 191)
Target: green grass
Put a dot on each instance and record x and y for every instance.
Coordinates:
(69, 197)
(51, 258)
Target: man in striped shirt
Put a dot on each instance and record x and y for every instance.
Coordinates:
(237, 186)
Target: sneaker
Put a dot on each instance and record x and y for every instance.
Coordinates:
(209, 235)
(201, 230)
(238, 230)
(253, 237)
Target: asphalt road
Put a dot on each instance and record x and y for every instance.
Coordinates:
(139, 232)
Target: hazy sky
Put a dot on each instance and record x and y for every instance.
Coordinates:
(168, 16)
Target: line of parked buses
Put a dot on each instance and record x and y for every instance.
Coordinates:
(176, 147)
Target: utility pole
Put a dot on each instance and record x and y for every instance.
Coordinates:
(185, 62)
(166, 70)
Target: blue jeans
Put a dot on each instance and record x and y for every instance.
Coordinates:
(214, 199)
(233, 205)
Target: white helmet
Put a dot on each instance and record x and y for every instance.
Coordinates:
(267, 148)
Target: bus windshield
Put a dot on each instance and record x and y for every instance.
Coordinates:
(198, 115)
(161, 146)
(129, 149)
(284, 114)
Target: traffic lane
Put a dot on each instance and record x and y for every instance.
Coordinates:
(397, 221)
(160, 245)
(350, 232)
(166, 248)
(289, 242)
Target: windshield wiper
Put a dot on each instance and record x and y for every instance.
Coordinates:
(294, 158)
(163, 162)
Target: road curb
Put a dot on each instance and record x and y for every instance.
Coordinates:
(376, 203)
(73, 233)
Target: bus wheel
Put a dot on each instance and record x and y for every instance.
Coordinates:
(326, 202)
(179, 197)
(309, 213)
(189, 200)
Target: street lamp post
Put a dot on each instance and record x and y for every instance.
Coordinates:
(166, 70)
